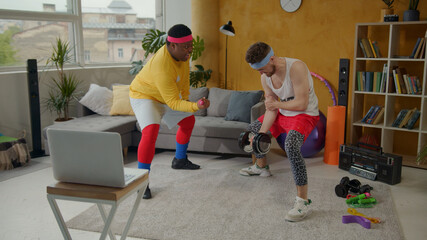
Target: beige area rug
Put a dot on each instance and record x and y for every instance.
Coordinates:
(217, 203)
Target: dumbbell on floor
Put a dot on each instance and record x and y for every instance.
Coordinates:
(261, 142)
(346, 185)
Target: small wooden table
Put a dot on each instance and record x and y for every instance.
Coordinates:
(99, 195)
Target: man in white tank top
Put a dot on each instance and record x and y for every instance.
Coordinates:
(291, 108)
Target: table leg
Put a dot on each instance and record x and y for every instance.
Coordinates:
(107, 221)
(59, 218)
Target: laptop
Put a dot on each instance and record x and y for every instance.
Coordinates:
(93, 158)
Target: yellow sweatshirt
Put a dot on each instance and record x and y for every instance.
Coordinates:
(164, 79)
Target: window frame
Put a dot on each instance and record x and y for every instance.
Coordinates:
(75, 37)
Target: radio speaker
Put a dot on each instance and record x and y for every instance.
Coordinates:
(344, 72)
(345, 158)
(33, 93)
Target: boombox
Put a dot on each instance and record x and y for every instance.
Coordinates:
(370, 162)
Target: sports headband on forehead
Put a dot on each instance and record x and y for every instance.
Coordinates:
(263, 62)
(181, 39)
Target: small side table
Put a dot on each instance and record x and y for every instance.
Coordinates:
(99, 195)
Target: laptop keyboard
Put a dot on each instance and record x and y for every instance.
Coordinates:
(128, 176)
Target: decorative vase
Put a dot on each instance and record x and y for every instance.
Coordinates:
(386, 11)
(411, 15)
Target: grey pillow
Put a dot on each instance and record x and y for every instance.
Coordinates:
(195, 95)
(241, 102)
(219, 102)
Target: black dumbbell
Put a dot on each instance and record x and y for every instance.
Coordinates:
(341, 190)
(365, 189)
(346, 185)
(261, 142)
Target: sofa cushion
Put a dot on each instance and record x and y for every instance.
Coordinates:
(121, 101)
(196, 94)
(240, 104)
(98, 123)
(216, 127)
(219, 99)
(98, 99)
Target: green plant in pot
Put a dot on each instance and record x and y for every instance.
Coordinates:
(155, 39)
(63, 88)
(387, 11)
(422, 155)
(412, 14)
(389, 3)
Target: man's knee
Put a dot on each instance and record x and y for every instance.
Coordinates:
(187, 122)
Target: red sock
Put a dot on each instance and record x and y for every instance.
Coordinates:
(147, 146)
(185, 129)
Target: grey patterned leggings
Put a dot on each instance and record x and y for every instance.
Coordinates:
(293, 143)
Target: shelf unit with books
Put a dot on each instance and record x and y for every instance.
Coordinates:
(374, 84)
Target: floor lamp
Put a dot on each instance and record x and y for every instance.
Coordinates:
(228, 30)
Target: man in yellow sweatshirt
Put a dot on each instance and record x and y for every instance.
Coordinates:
(160, 91)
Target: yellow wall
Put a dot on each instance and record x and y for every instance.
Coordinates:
(319, 33)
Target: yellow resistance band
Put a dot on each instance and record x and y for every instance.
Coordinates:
(353, 211)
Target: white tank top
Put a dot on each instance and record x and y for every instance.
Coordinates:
(286, 92)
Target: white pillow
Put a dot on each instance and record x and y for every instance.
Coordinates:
(98, 99)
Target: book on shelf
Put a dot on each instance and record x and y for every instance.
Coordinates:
(412, 80)
(384, 78)
(414, 118)
(420, 46)
(396, 81)
(378, 81)
(406, 118)
(391, 84)
(371, 109)
(415, 48)
(377, 49)
(399, 117)
(369, 81)
(363, 48)
(374, 114)
(372, 48)
(380, 116)
(367, 48)
(402, 85)
(418, 84)
(408, 83)
(423, 49)
(359, 81)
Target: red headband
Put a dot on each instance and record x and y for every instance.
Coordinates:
(181, 39)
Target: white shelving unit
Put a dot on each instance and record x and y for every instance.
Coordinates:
(395, 40)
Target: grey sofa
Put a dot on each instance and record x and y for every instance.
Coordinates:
(216, 129)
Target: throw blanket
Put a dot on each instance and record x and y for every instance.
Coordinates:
(13, 153)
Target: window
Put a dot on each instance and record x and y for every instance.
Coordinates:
(38, 6)
(28, 28)
(87, 55)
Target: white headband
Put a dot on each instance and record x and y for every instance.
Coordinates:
(264, 61)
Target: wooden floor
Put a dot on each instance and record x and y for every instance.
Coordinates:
(412, 163)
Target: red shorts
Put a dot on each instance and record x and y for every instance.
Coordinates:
(301, 123)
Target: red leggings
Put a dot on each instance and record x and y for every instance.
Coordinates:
(146, 147)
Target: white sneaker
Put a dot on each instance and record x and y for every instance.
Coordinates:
(255, 170)
(300, 211)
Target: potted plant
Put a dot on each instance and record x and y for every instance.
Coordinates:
(412, 14)
(63, 88)
(387, 11)
(155, 39)
(422, 155)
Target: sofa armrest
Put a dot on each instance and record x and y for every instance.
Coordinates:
(82, 110)
(257, 110)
